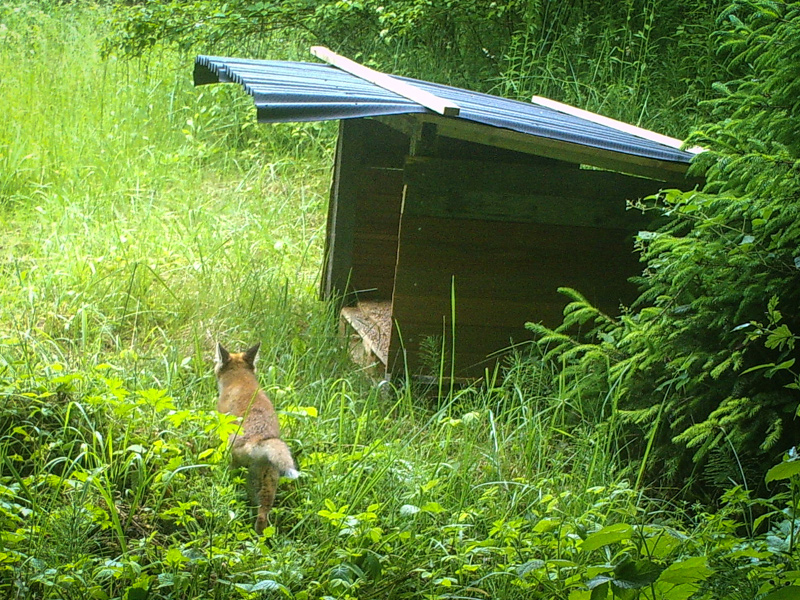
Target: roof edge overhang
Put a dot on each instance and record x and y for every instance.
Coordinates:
(507, 139)
(408, 117)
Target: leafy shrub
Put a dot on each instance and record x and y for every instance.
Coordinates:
(706, 359)
(639, 60)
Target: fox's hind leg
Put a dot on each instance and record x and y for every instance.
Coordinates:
(264, 483)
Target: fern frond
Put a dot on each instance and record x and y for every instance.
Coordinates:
(774, 433)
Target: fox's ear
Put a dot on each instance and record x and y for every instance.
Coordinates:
(251, 353)
(223, 356)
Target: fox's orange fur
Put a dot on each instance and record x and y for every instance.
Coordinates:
(259, 446)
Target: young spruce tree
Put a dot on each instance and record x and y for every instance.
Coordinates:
(705, 363)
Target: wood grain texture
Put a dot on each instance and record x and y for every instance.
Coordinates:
(552, 194)
(504, 274)
(364, 215)
(342, 210)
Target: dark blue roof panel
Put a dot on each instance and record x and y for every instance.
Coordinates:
(298, 91)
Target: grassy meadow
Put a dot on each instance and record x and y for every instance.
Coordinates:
(141, 219)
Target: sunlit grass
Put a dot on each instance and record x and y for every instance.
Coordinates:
(141, 219)
(130, 226)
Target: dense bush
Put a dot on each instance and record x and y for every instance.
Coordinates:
(644, 61)
(141, 219)
(706, 360)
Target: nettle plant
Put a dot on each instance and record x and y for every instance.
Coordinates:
(110, 490)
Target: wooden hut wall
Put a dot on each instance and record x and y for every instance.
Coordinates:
(502, 238)
(364, 211)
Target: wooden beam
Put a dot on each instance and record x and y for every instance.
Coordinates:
(347, 175)
(674, 174)
(567, 151)
(426, 99)
(614, 124)
(545, 194)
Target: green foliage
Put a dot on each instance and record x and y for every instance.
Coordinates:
(383, 33)
(140, 220)
(643, 61)
(122, 491)
(706, 359)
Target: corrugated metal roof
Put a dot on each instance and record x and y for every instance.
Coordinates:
(299, 91)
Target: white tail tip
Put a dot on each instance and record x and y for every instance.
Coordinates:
(291, 474)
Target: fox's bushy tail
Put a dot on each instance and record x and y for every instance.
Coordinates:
(273, 451)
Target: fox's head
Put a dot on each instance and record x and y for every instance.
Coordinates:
(226, 361)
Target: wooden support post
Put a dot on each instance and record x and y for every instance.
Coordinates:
(424, 141)
(342, 209)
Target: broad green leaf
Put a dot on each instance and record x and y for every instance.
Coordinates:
(268, 585)
(691, 570)
(607, 535)
(433, 507)
(561, 563)
(546, 525)
(669, 591)
(408, 509)
(623, 592)
(780, 336)
(301, 411)
(375, 534)
(136, 593)
(600, 592)
(371, 565)
(662, 544)
(784, 470)
(600, 580)
(790, 592)
(636, 574)
(531, 565)
(174, 557)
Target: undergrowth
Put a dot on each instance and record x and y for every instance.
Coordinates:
(143, 219)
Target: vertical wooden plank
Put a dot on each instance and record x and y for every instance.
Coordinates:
(424, 141)
(364, 211)
(462, 221)
(342, 209)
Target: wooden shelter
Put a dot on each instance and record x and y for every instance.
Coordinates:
(451, 225)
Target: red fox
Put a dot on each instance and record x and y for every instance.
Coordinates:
(258, 446)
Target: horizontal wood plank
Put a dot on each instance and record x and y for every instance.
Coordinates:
(534, 288)
(513, 262)
(614, 124)
(415, 94)
(482, 311)
(560, 179)
(565, 151)
(570, 152)
(545, 194)
(468, 365)
(477, 238)
(469, 358)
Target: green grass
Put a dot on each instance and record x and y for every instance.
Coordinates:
(142, 219)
